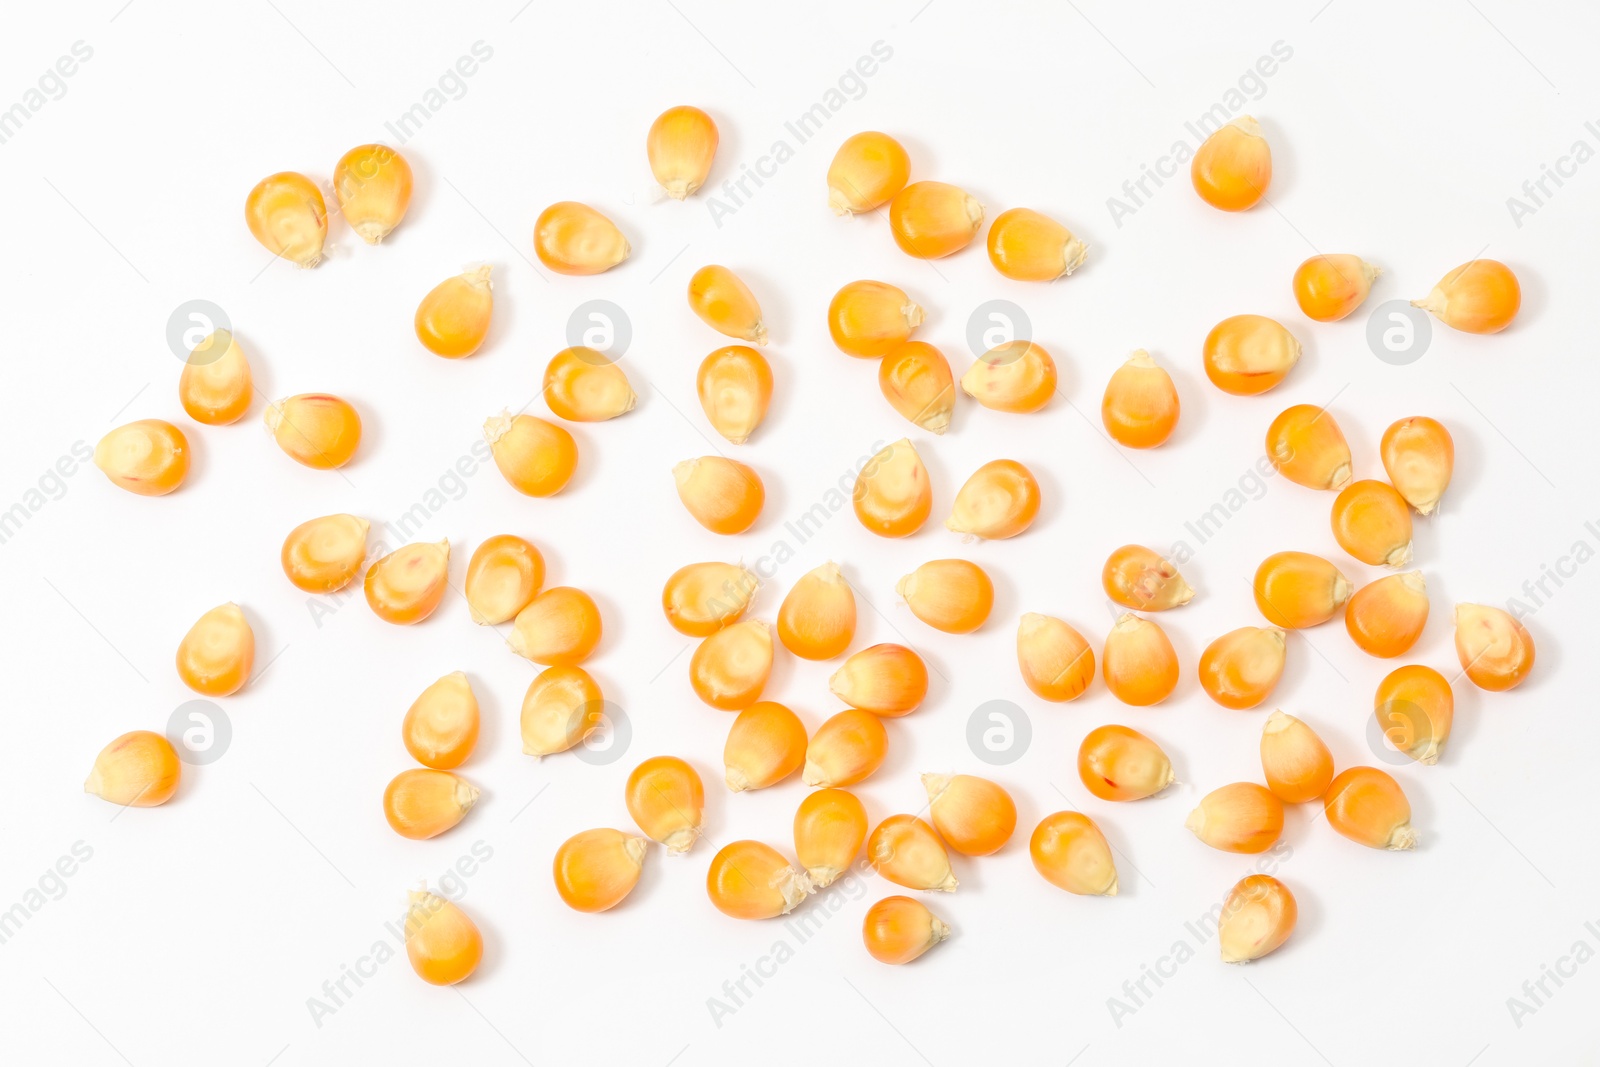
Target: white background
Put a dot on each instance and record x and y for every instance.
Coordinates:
(197, 932)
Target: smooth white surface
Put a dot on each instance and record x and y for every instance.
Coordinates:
(197, 932)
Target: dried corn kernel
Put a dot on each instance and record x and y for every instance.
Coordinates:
(667, 801)
(892, 496)
(560, 627)
(1233, 167)
(138, 770)
(829, 828)
(1297, 765)
(1386, 617)
(818, 618)
(286, 213)
(1000, 500)
(898, 929)
(1017, 376)
(1495, 649)
(866, 173)
(725, 303)
(1027, 246)
(765, 745)
(846, 749)
(1136, 577)
(574, 238)
(681, 145)
(1241, 668)
(915, 379)
(730, 668)
(975, 816)
(1055, 661)
(406, 585)
(1118, 763)
(537, 457)
(1141, 667)
(1140, 407)
(1328, 288)
(216, 655)
(905, 850)
(1419, 456)
(149, 457)
(1306, 446)
(423, 803)
(869, 318)
(453, 319)
(702, 598)
(1249, 354)
(749, 880)
(442, 944)
(1415, 709)
(373, 185)
(562, 706)
(325, 554)
(1482, 296)
(1242, 817)
(953, 595)
(931, 220)
(1369, 807)
(1372, 522)
(1072, 854)
(440, 729)
(723, 495)
(316, 429)
(1258, 916)
(888, 680)
(735, 387)
(1296, 590)
(503, 576)
(215, 386)
(594, 870)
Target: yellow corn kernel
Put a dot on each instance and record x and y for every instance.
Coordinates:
(1495, 649)
(892, 495)
(440, 729)
(735, 388)
(1241, 668)
(749, 880)
(725, 303)
(503, 576)
(453, 319)
(1415, 708)
(443, 945)
(562, 706)
(1386, 617)
(373, 185)
(215, 386)
(1136, 577)
(1307, 447)
(915, 379)
(1477, 297)
(829, 828)
(888, 680)
(953, 595)
(1000, 500)
(1419, 457)
(1017, 376)
(898, 929)
(1118, 763)
(866, 173)
(724, 495)
(1296, 590)
(667, 801)
(1233, 167)
(1258, 916)
(1297, 765)
(139, 770)
(1369, 807)
(908, 852)
(731, 667)
(1372, 522)
(325, 554)
(931, 220)
(215, 656)
(1141, 667)
(975, 816)
(423, 803)
(1328, 288)
(868, 319)
(817, 620)
(1027, 246)
(1249, 354)
(560, 627)
(149, 457)
(406, 585)
(1055, 661)
(846, 749)
(1242, 817)
(1140, 408)
(574, 238)
(286, 213)
(766, 744)
(1071, 853)
(316, 429)
(595, 869)
(537, 457)
(582, 385)
(681, 145)
(702, 598)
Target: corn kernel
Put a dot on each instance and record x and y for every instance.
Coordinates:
(215, 386)
(443, 945)
(315, 429)
(1372, 522)
(1233, 167)
(1369, 807)
(908, 852)
(1495, 649)
(829, 828)
(702, 598)
(898, 929)
(1055, 661)
(931, 220)
(373, 185)
(1140, 408)
(1248, 354)
(453, 319)
(562, 706)
(724, 495)
(766, 744)
(503, 576)
(725, 303)
(440, 729)
(1386, 617)
(1241, 668)
(1118, 763)
(1141, 667)
(1000, 500)
(681, 145)
(1017, 376)
(594, 870)
(286, 213)
(888, 680)
(1328, 288)
(1306, 446)
(1482, 296)
(892, 496)
(1136, 577)
(423, 803)
(731, 667)
(406, 585)
(953, 595)
(1297, 765)
(868, 319)
(749, 880)
(818, 618)
(1415, 709)
(560, 627)
(536, 457)
(735, 388)
(1242, 817)
(325, 554)
(846, 749)
(975, 816)
(138, 770)
(1258, 916)
(1029, 247)
(866, 173)
(215, 656)
(667, 800)
(574, 238)
(149, 457)
(1071, 853)
(915, 379)
(1296, 590)
(1419, 457)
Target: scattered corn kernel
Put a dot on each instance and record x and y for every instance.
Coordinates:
(503, 576)
(1233, 167)
(1415, 709)
(1027, 246)
(1136, 577)
(1141, 667)
(574, 238)
(975, 816)
(725, 303)
(1368, 806)
(316, 429)
(443, 945)
(829, 828)
(1055, 661)
(1482, 296)
(866, 173)
(818, 617)
(898, 929)
(149, 457)
(730, 668)
(1249, 354)
(1257, 917)
(560, 627)
(953, 595)
(372, 183)
(766, 744)
(915, 379)
(1241, 668)
(1386, 617)
(562, 706)
(440, 729)
(681, 145)
(1000, 500)
(908, 852)
(1118, 763)
(749, 880)
(1328, 288)
(1072, 854)
(1017, 376)
(931, 220)
(846, 749)
(735, 387)
(888, 680)
(1242, 817)
(1297, 765)
(1372, 522)
(215, 386)
(423, 803)
(892, 495)
(1419, 456)
(406, 585)
(868, 319)
(723, 495)
(595, 869)
(1495, 649)
(1306, 446)
(286, 213)
(139, 770)
(1296, 590)
(325, 554)
(702, 598)
(537, 457)
(667, 801)
(216, 655)
(1140, 407)
(453, 319)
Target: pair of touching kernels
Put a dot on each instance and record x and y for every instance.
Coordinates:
(1140, 407)
(846, 749)
(1241, 668)
(149, 457)
(886, 679)
(1017, 376)
(817, 619)
(908, 852)
(667, 800)
(735, 387)
(440, 729)
(766, 744)
(867, 171)
(1306, 446)
(1296, 590)
(1496, 651)
(216, 386)
(423, 803)
(751, 880)
(1232, 168)
(406, 586)
(829, 828)
(563, 705)
(915, 379)
(574, 238)
(725, 303)
(1140, 664)
(140, 769)
(372, 183)
(583, 385)
(1071, 853)
(536, 457)
(1372, 522)
(892, 496)
(898, 929)
(1241, 817)
(681, 146)
(215, 656)
(443, 945)
(559, 627)
(318, 430)
(1027, 246)
(1056, 662)
(1415, 708)
(1369, 807)
(325, 554)
(930, 220)
(730, 668)
(953, 595)
(594, 870)
(453, 319)
(1119, 763)
(1328, 288)
(1136, 577)
(975, 816)
(1000, 500)
(1248, 354)
(724, 495)
(1258, 915)
(1481, 296)
(503, 576)
(1386, 617)
(868, 319)
(1294, 760)
(702, 598)
(287, 214)
(1419, 456)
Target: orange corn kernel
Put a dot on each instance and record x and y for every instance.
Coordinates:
(1419, 457)
(953, 595)
(1241, 668)
(1249, 354)
(1017, 376)
(1328, 288)
(442, 944)
(1136, 577)
(215, 656)
(1233, 167)
(1372, 522)
(892, 496)
(1141, 667)
(1257, 917)
(440, 729)
(915, 379)
(1140, 408)
(316, 429)
(574, 238)
(1307, 447)
(898, 929)
(149, 457)
(1118, 763)
(1386, 617)
(723, 495)
(1000, 500)
(1495, 649)
(1296, 590)
(1297, 765)
(562, 706)
(730, 668)
(818, 618)
(866, 173)
(503, 577)
(1369, 807)
(931, 220)
(423, 803)
(681, 145)
(908, 852)
(286, 213)
(1477, 297)
(766, 744)
(453, 319)
(138, 770)
(867, 318)
(1242, 817)
(372, 183)
(594, 870)
(560, 627)
(975, 816)
(725, 303)
(749, 880)
(667, 800)
(887, 680)
(829, 828)
(325, 554)
(215, 386)
(1072, 854)
(537, 457)
(702, 598)
(1415, 708)
(1027, 246)
(846, 749)
(735, 388)
(1055, 661)
(406, 585)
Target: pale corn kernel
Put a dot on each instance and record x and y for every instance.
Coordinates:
(1328, 288)
(953, 595)
(216, 387)
(1000, 500)
(562, 706)
(892, 496)
(215, 656)
(560, 627)
(1027, 246)
(829, 829)
(846, 749)
(908, 852)
(931, 220)
(1056, 662)
(1140, 407)
(866, 173)
(1369, 807)
(149, 457)
(1297, 765)
(503, 576)
(681, 145)
(886, 679)
(1119, 763)
(286, 213)
(318, 430)
(140, 769)
(536, 457)
(1242, 817)
(731, 667)
(915, 379)
(574, 238)
(975, 816)
(1372, 522)
(423, 803)
(1481, 296)
(1415, 709)
(372, 183)
(1233, 167)
(867, 318)
(725, 303)
(667, 801)
(1296, 590)
(750, 880)
(453, 319)
(406, 585)
(702, 598)
(1419, 457)
(1386, 617)
(724, 495)
(1071, 853)
(735, 388)
(766, 744)
(817, 619)
(1136, 577)
(898, 929)
(1017, 376)
(1306, 446)
(594, 870)
(1258, 916)
(440, 729)
(325, 554)
(443, 945)
(1495, 649)
(1141, 667)
(1248, 354)
(1241, 668)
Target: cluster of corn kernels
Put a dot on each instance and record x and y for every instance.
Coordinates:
(559, 627)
